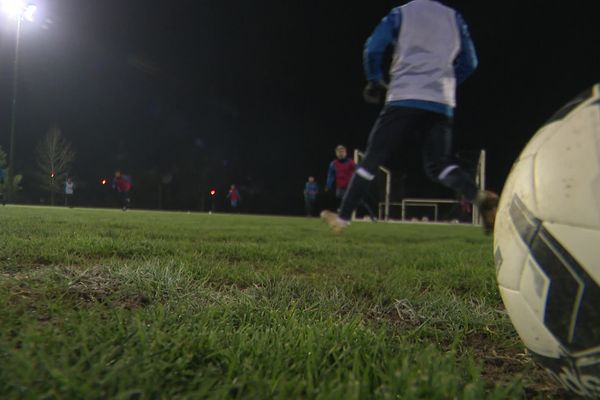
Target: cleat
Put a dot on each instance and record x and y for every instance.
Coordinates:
(336, 224)
(488, 205)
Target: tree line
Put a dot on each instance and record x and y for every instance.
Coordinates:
(54, 156)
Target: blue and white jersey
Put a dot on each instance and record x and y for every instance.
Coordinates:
(433, 51)
(311, 190)
(69, 187)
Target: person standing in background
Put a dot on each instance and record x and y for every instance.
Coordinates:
(234, 198)
(69, 192)
(122, 184)
(311, 191)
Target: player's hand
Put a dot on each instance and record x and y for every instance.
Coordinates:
(374, 92)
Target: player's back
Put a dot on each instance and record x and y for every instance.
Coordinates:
(427, 45)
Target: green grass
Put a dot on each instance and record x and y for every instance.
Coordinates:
(102, 304)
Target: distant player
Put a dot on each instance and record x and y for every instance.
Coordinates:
(122, 184)
(340, 173)
(69, 192)
(433, 52)
(311, 191)
(234, 198)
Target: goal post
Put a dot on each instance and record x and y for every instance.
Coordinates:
(385, 205)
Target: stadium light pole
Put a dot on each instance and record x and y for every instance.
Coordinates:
(19, 11)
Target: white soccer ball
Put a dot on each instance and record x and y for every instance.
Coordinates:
(547, 245)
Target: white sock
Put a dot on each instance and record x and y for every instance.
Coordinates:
(342, 221)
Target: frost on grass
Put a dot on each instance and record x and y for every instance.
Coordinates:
(128, 287)
(97, 285)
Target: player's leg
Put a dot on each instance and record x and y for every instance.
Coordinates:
(125, 200)
(442, 168)
(365, 204)
(307, 206)
(393, 124)
(387, 134)
(339, 195)
(436, 148)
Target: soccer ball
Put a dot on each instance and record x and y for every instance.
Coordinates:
(547, 245)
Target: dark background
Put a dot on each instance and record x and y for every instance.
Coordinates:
(186, 96)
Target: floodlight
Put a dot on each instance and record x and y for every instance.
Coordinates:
(12, 8)
(17, 9)
(29, 11)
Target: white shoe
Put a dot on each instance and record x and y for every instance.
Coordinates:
(336, 224)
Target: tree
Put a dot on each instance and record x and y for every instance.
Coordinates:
(54, 158)
(7, 189)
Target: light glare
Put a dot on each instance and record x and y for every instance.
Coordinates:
(29, 11)
(16, 9)
(12, 8)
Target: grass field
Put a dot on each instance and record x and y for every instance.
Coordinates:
(102, 304)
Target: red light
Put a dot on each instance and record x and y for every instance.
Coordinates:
(103, 181)
(213, 192)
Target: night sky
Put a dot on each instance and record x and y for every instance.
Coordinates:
(190, 95)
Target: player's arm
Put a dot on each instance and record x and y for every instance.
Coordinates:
(330, 176)
(384, 35)
(466, 62)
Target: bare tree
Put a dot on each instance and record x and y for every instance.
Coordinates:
(8, 188)
(54, 158)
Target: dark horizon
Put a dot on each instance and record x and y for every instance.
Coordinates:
(206, 94)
